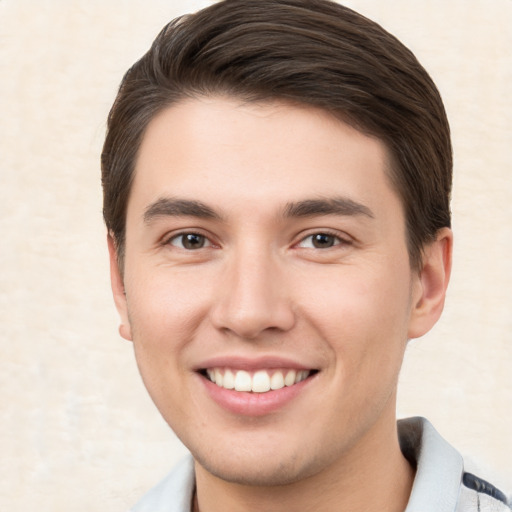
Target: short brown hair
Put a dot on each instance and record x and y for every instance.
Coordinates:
(312, 52)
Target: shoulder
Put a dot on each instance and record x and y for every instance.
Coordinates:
(173, 494)
(442, 483)
(477, 494)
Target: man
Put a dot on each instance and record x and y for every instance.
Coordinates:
(276, 178)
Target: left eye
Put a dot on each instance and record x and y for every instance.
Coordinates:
(320, 241)
(189, 241)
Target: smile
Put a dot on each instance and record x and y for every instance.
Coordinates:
(260, 381)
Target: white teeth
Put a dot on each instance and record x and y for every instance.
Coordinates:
(243, 381)
(259, 382)
(229, 380)
(301, 376)
(218, 377)
(277, 381)
(289, 380)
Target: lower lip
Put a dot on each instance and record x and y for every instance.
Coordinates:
(254, 404)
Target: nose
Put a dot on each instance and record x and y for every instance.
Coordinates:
(253, 298)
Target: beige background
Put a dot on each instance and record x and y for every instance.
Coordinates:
(77, 431)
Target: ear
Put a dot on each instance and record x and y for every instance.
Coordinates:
(117, 283)
(429, 290)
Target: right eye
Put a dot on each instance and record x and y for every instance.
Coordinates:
(189, 241)
(320, 241)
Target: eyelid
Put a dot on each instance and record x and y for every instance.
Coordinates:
(342, 238)
(169, 237)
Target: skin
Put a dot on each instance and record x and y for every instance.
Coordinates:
(260, 286)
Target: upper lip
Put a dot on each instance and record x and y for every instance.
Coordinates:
(251, 363)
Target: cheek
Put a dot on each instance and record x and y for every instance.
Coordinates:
(165, 312)
(165, 307)
(363, 314)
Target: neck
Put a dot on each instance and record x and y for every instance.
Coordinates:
(372, 475)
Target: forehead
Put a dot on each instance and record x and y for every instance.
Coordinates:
(250, 154)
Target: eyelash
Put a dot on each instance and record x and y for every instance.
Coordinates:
(182, 235)
(337, 240)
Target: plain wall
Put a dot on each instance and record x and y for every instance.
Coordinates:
(77, 430)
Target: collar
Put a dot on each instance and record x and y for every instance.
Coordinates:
(174, 493)
(439, 467)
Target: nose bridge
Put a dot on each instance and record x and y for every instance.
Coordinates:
(254, 297)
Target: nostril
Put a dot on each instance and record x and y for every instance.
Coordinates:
(250, 324)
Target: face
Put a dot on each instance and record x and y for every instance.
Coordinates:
(267, 286)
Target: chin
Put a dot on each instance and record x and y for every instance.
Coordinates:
(263, 470)
(261, 474)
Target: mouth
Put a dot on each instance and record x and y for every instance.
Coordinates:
(259, 381)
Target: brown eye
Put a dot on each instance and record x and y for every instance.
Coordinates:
(323, 240)
(189, 241)
(320, 241)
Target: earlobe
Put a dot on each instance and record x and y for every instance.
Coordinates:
(432, 282)
(118, 291)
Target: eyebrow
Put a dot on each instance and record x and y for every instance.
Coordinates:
(171, 207)
(329, 206)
